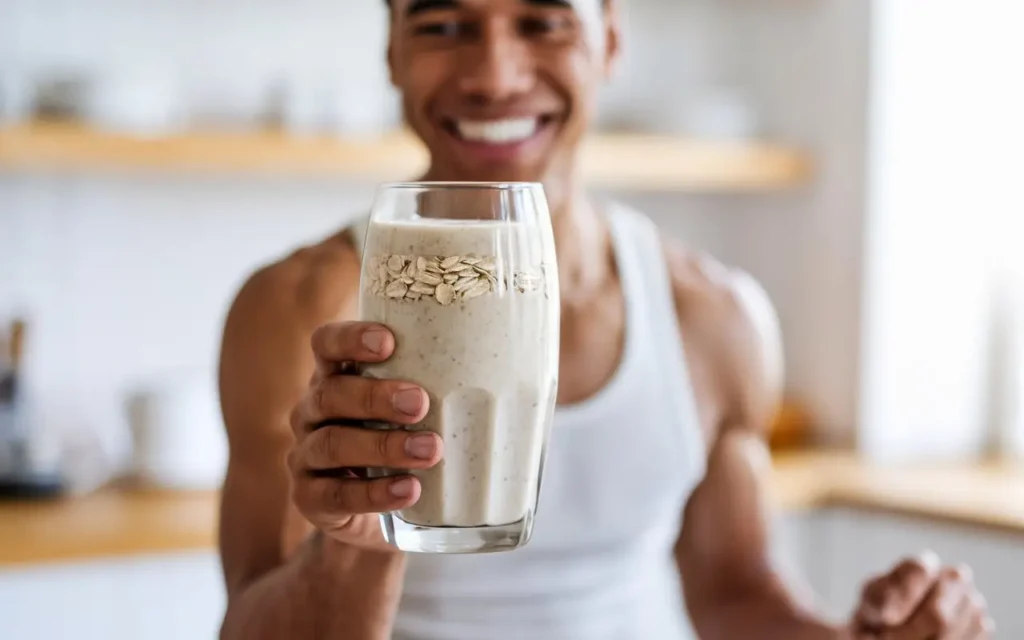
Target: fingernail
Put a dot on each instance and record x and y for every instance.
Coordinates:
(966, 572)
(401, 488)
(930, 560)
(421, 446)
(408, 401)
(373, 339)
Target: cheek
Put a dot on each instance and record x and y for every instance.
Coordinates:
(422, 78)
(577, 79)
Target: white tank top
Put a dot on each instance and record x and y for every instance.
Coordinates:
(620, 468)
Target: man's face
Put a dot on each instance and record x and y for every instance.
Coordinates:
(500, 90)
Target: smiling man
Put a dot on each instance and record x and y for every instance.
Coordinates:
(653, 517)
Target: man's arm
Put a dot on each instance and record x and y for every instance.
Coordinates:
(734, 350)
(732, 590)
(281, 581)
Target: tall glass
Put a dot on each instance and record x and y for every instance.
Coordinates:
(464, 274)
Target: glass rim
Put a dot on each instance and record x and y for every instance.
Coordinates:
(467, 185)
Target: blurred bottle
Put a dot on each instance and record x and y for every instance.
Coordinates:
(8, 400)
(791, 427)
(20, 474)
(13, 440)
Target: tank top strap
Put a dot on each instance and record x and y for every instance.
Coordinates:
(643, 267)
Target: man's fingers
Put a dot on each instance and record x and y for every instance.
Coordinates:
(936, 616)
(984, 627)
(889, 600)
(918, 600)
(326, 501)
(358, 398)
(966, 615)
(351, 342)
(339, 447)
(972, 621)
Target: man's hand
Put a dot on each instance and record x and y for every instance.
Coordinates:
(329, 453)
(922, 600)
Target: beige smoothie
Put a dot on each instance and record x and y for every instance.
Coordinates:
(474, 309)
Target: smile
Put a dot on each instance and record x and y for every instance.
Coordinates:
(499, 139)
(504, 131)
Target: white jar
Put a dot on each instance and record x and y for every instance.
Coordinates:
(178, 439)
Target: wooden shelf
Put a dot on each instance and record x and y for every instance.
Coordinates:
(609, 161)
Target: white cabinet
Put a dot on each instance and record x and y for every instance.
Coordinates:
(860, 544)
(799, 546)
(167, 597)
(833, 552)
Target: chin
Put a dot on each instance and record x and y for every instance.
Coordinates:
(505, 173)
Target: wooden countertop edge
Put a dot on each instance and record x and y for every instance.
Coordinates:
(989, 522)
(119, 523)
(982, 494)
(111, 523)
(122, 548)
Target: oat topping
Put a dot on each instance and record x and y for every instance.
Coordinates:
(444, 279)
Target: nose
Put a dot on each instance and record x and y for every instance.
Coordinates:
(497, 68)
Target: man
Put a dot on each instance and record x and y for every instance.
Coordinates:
(655, 477)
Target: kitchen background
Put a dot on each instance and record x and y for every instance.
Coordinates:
(859, 158)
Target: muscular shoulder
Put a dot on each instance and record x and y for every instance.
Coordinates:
(732, 337)
(312, 284)
(265, 360)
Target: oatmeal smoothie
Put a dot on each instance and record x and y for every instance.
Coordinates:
(474, 312)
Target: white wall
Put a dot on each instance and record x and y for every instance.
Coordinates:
(128, 276)
(807, 61)
(944, 193)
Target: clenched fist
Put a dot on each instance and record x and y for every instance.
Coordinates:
(922, 600)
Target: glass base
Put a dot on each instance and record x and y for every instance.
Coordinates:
(416, 538)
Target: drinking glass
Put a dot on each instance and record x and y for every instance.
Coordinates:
(464, 275)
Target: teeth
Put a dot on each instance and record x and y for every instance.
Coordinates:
(498, 131)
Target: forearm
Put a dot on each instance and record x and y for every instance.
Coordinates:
(325, 591)
(769, 612)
